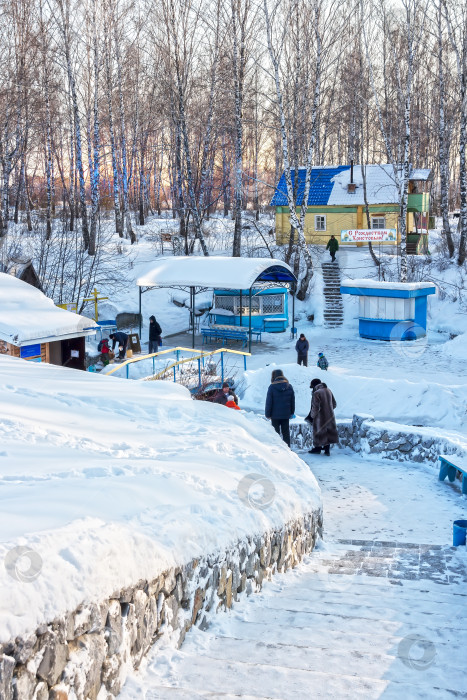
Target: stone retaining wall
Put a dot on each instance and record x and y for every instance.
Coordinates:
(390, 440)
(91, 651)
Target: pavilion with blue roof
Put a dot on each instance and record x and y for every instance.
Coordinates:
(336, 202)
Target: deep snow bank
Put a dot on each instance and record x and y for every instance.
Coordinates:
(418, 402)
(110, 482)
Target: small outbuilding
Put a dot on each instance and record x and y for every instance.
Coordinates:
(33, 328)
(23, 269)
(391, 310)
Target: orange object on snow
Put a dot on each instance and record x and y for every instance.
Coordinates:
(232, 404)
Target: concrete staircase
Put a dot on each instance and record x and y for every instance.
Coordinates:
(334, 308)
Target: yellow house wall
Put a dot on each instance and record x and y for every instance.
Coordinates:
(335, 223)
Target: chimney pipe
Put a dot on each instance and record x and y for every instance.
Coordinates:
(351, 171)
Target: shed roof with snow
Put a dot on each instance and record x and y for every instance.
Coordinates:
(215, 272)
(329, 185)
(27, 316)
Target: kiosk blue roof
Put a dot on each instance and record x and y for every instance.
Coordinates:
(373, 288)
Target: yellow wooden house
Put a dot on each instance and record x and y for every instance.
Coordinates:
(337, 203)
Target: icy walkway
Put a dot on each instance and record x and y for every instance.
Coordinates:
(377, 611)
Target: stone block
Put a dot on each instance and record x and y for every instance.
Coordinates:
(92, 649)
(114, 627)
(58, 694)
(197, 604)
(228, 591)
(24, 649)
(42, 692)
(25, 684)
(55, 655)
(7, 664)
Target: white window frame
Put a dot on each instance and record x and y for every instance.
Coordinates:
(378, 218)
(320, 216)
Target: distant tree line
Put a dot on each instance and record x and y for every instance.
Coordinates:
(131, 107)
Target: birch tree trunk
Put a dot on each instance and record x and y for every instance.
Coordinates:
(443, 140)
(126, 208)
(238, 65)
(115, 181)
(94, 161)
(65, 30)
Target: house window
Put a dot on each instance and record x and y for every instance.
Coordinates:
(378, 222)
(320, 223)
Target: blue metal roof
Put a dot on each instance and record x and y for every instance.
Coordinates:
(321, 186)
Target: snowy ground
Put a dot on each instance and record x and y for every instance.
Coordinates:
(375, 612)
(109, 482)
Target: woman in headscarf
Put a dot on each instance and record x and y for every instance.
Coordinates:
(323, 404)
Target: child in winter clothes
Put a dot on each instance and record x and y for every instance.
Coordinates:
(104, 350)
(230, 403)
(322, 361)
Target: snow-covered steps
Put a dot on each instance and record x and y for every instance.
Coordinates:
(333, 308)
(318, 634)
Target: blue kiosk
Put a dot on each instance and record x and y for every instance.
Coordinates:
(391, 310)
(269, 308)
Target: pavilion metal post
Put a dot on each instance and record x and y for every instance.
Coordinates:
(241, 306)
(140, 318)
(293, 315)
(249, 321)
(192, 294)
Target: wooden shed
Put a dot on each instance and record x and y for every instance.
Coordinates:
(33, 328)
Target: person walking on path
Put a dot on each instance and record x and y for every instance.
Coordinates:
(323, 404)
(231, 403)
(333, 247)
(155, 332)
(302, 346)
(322, 361)
(223, 395)
(280, 404)
(122, 339)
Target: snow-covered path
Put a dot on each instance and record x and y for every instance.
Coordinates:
(375, 612)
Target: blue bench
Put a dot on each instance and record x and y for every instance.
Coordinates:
(222, 334)
(449, 469)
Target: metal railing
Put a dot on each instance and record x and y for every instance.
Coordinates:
(198, 356)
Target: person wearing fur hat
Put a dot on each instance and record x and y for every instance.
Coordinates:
(323, 404)
(280, 404)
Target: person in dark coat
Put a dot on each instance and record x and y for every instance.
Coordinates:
(223, 394)
(155, 332)
(323, 404)
(280, 404)
(333, 247)
(302, 346)
(122, 339)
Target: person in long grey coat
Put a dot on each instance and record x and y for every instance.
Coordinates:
(323, 404)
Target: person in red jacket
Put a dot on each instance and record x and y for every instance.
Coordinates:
(231, 403)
